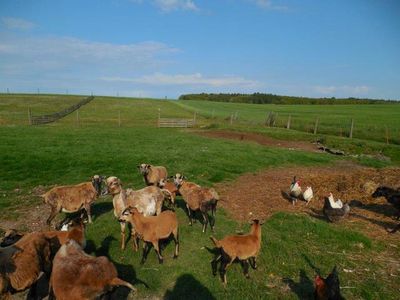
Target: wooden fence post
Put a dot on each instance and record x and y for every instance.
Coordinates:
(236, 115)
(29, 116)
(212, 114)
(316, 125)
(387, 135)
(231, 119)
(159, 117)
(267, 119)
(119, 118)
(288, 122)
(194, 118)
(77, 118)
(275, 118)
(351, 128)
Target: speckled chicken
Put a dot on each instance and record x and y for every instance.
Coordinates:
(335, 210)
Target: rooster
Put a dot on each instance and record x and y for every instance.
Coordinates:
(308, 194)
(329, 288)
(335, 210)
(295, 190)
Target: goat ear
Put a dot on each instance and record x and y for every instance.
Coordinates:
(148, 166)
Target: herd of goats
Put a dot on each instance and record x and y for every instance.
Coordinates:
(73, 274)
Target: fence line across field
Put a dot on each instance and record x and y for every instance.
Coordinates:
(49, 118)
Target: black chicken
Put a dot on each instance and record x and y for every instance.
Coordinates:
(393, 197)
(329, 288)
(335, 214)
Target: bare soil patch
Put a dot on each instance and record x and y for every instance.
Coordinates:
(260, 139)
(261, 194)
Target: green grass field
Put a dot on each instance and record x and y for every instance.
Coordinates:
(370, 121)
(294, 245)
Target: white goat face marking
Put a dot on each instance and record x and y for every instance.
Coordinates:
(144, 169)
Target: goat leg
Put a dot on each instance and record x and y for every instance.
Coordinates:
(245, 266)
(189, 215)
(123, 226)
(176, 240)
(53, 213)
(214, 264)
(205, 221)
(146, 249)
(252, 261)
(87, 209)
(158, 251)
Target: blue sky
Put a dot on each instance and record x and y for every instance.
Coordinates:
(158, 48)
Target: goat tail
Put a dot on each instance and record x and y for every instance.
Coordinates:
(215, 241)
(119, 282)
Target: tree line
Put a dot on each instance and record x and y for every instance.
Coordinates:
(260, 98)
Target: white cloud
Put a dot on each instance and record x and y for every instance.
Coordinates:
(342, 90)
(196, 79)
(15, 23)
(64, 54)
(171, 5)
(268, 4)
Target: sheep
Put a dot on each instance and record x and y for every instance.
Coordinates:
(245, 248)
(153, 229)
(22, 263)
(152, 174)
(148, 201)
(198, 198)
(72, 198)
(77, 275)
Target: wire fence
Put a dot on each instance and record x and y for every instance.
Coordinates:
(49, 118)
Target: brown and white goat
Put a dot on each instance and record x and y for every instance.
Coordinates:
(148, 201)
(72, 198)
(22, 263)
(77, 275)
(152, 174)
(153, 229)
(244, 248)
(198, 198)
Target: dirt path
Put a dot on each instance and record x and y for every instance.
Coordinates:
(259, 139)
(261, 194)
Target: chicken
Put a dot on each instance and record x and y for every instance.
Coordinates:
(329, 288)
(335, 213)
(308, 194)
(295, 190)
(333, 203)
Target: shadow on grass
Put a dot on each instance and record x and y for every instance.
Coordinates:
(304, 288)
(384, 209)
(125, 272)
(384, 224)
(188, 287)
(101, 208)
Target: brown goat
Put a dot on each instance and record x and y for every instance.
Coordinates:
(198, 198)
(152, 174)
(22, 263)
(245, 248)
(171, 188)
(148, 201)
(153, 229)
(77, 275)
(72, 198)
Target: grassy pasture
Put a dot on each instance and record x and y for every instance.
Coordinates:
(293, 245)
(370, 121)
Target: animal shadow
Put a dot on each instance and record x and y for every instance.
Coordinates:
(188, 287)
(99, 208)
(304, 288)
